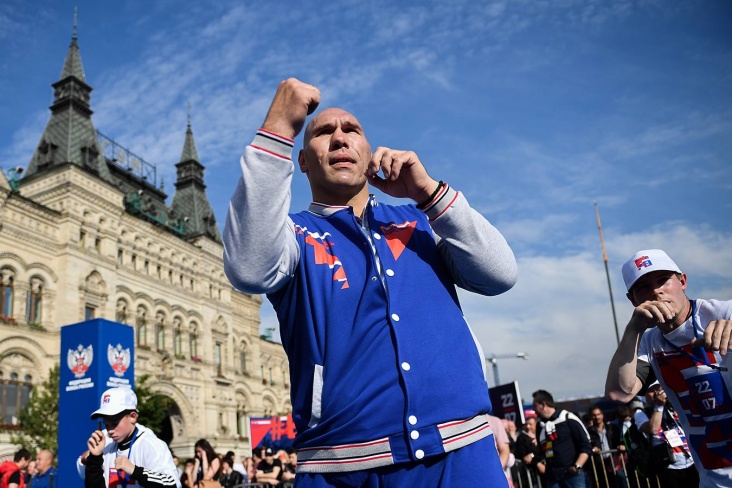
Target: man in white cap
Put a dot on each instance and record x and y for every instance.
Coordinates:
(683, 344)
(125, 453)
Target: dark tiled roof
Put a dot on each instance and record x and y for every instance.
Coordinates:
(189, 147)
(190, 198)
(72, 64)
(70, 136)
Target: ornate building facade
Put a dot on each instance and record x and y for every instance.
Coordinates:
(86, 233)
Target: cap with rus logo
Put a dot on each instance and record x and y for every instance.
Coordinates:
(116, 400)
(644, 262)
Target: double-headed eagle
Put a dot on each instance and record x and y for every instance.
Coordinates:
(80, 359)
(119, 359)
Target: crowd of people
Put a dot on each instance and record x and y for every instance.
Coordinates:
(600, 448)
(264, 467)
(25, 472)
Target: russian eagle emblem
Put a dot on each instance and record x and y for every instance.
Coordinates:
(80, 359)
(119, 359)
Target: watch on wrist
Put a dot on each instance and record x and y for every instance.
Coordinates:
(578, 467)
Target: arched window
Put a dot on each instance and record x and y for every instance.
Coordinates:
(34, 302)
(193, 341)
(25, 388)
(6, 292)
(160, 331)
(218, 359)
(160, 338)
(141, 323)
(243, 358)
(14, 395)
(177, 338)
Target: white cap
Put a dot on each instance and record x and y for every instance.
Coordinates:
(644, 262)
(116, 400)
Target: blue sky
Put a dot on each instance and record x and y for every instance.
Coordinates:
(533, 109)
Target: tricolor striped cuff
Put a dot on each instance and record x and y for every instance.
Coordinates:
(273, 144)
(349, 457)
(376, 453)
(440, 203)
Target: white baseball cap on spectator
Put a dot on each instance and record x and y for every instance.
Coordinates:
(115, 401)
(644, 262)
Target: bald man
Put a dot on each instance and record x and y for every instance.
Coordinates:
(46, 475)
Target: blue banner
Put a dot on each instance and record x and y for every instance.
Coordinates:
(95, 355)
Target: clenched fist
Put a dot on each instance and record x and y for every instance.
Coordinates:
(291, 105)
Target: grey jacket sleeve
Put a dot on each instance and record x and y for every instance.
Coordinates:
(476, 253)
(260, 248)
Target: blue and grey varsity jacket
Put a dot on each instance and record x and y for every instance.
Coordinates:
(384, 368)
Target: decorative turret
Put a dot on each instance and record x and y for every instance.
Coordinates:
(69, 136)
(190, 198)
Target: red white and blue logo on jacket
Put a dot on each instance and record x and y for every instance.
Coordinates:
(397, 237)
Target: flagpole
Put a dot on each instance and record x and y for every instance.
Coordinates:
(607, 273)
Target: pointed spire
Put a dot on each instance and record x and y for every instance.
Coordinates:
(189, 147)
(190, 200)
(72, 64)
(70, 136)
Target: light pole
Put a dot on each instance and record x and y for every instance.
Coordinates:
(493, 359)
(607, 274)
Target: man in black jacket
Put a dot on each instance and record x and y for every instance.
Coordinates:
(565, 442)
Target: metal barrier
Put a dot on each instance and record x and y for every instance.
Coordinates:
(600, 471)
(612, 472)
(525, 476)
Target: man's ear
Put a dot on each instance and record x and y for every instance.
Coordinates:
(632, 300)
(682, 279)
(301, 162)
(134, 415)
